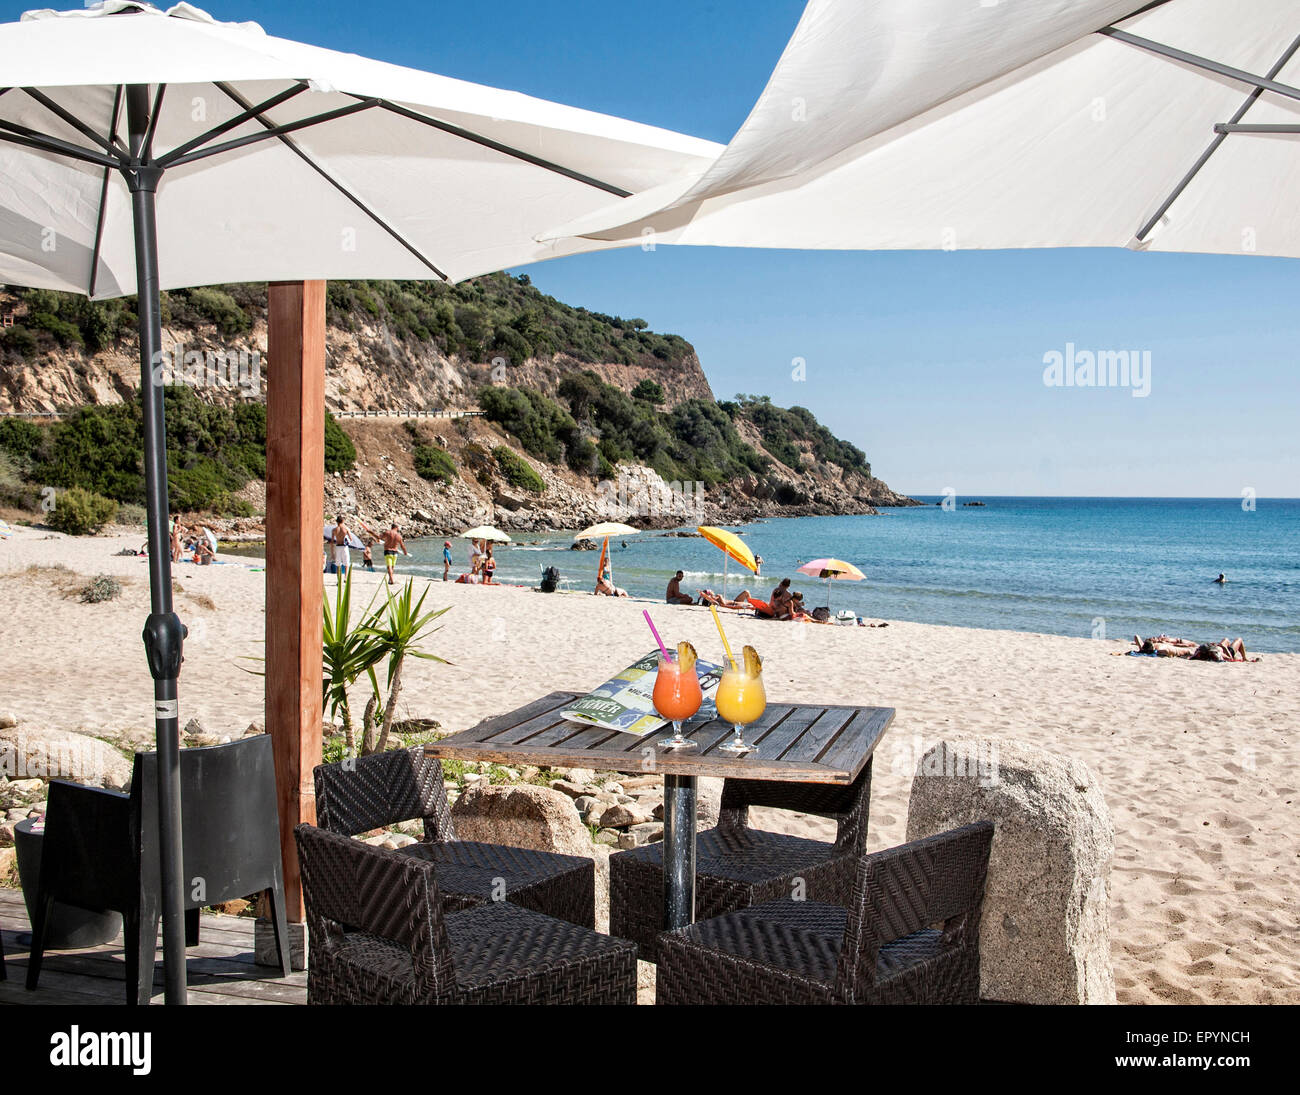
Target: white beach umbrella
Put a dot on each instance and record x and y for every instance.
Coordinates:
(143, 150)
(928, 124)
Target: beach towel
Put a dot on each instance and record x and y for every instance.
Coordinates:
(761, 608)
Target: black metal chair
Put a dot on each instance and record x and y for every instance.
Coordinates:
(379, 933)
(737, 866)
(358, 795)
(101, 850)
(881, 947)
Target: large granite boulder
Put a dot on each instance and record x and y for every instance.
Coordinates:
(1045, 934)
(528, 816)
(524, 816)
(36, 753)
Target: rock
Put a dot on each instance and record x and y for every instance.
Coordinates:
(8, 720)
(25, 787)
(608, 837)
(8, 863)
(648, 832)
(253, 729)
(584, 804)
(576, 775)
(614, 788)
(524, 816)
(232, 908)
(1045, 933)
(708, 802)
(193, 728)
(638, 783)
(621, 815)
(573, 790)
(6, 833)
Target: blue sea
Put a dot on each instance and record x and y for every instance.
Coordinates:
(1088, 567)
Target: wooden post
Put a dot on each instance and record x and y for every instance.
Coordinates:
(295, 500)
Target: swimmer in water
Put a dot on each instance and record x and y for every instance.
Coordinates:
(1221, 580)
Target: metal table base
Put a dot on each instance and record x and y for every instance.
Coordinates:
(679, 850)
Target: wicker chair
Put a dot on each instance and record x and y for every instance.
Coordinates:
(737, 866)
(881, 949)
(355, 796)
(378, 934)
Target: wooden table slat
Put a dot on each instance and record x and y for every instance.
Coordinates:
(871, 722)
(810, 745)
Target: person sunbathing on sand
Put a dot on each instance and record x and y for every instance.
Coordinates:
(1165, 646)
(708, 597)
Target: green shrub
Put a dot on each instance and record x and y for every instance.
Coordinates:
(649, 391)
(21, 440)
(104, 588)
(434, 463)
(128, 513)
(518, 472)
(340, 453)
(81, 512)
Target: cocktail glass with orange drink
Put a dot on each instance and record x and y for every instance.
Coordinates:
(741, 698)
(677, 694)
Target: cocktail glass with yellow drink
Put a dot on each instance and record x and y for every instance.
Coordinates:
(677, 694)
(741, 698)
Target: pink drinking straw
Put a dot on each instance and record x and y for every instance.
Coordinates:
(646, 613)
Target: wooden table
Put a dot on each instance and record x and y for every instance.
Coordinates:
(802, 743)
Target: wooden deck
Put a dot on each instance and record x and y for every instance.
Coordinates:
(221, 968)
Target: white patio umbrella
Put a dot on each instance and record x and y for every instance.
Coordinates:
(143, 150)
(928, 124)
(603, 530)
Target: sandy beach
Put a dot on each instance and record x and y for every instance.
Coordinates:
(1198, 761)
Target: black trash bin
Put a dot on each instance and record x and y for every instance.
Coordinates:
(70, 928)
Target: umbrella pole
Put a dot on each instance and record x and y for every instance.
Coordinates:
(163, 632)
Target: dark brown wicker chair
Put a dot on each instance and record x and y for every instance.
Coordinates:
(737, 866)
(356, 796)
(378, 934)
(882, 949)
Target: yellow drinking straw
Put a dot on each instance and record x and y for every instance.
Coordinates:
(725, 645)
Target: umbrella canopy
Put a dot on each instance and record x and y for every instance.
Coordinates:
(832, 568)
(731, 545)
(142, 150)
(355, 150)
(606, 529)
(485, 532)
(928, 124)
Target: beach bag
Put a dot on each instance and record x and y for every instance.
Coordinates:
(821, 612)
(550, 580)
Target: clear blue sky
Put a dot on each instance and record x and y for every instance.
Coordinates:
(931, 362)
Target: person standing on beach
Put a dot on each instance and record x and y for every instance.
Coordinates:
(339, 539)
(446, 559)
(368, 560)
(489, 564)
(393, 543)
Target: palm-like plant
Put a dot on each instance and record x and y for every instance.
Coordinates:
(396, 630)
(347, 652)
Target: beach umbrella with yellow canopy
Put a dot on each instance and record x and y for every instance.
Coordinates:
(732, 547)
(603, 531)
(832, 569)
